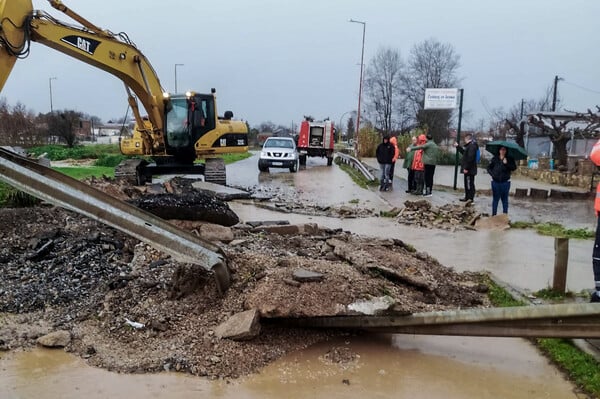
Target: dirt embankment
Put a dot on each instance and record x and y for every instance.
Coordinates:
(61, 271)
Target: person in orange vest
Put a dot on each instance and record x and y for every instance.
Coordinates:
(394, 142)
(419, 167)
(595, 158)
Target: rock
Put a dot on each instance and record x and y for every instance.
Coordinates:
(306, 276)
(498, 222)
(373, 306)
(292, 229)
(241, 326)
(215, 232)
(56, 339)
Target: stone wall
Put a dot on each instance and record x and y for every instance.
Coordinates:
(581, 178)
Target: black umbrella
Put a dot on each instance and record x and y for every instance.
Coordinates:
(513, 150)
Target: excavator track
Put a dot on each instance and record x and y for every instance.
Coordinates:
(215, 172)
(129, 170)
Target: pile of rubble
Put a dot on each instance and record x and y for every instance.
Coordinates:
(448, 217)
(127, 307)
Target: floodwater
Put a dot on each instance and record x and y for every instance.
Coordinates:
(381, 366)
(521, 258)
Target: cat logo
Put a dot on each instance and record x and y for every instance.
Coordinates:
(82, 43)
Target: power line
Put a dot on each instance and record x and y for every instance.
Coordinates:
(581, 87)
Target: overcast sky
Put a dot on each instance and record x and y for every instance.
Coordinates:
(274, 60)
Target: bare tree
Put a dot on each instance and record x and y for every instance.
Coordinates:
(383, 82)
(514, 117)
(558, 129)
(431, 64)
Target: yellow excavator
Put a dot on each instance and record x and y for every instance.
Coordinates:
(179, 129)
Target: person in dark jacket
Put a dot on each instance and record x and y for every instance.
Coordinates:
(499, 169)
(468, 165)
(385, 156)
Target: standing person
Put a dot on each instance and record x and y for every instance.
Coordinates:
(595, 157)
(468, 166)
(394, 142)
(385, 155)
(407, 164)
(419, 167)
(499, 169)
(430, 157)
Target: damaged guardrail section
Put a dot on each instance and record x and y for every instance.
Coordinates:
(59, 189)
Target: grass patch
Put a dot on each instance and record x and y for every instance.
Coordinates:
(580, 367)
(354, 201)
(356, 176)
(80, 173)
(231, 158)
(499, 297)
(60, 152)
(555, 230)
(552, 295)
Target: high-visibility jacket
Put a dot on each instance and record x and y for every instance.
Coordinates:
(595, 158)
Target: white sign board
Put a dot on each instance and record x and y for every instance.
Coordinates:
(441, 98)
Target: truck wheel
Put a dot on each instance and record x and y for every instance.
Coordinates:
(303, 160)
(295, 166)
(329, 161)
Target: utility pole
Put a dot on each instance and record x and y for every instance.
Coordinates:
(556, 79)
(50, 84)
(522, 107)
(362, 56)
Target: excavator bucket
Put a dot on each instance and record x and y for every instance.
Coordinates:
(13, 34)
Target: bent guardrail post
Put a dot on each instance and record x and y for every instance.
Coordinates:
(64, 191)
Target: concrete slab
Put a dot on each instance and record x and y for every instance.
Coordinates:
(222, 192)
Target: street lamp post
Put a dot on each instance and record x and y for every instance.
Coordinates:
(176, 65)
(362, 56)
(50, 85)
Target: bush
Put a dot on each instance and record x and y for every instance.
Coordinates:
(110, 160)
(60, 152)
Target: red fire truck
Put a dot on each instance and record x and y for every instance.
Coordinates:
(316, 139)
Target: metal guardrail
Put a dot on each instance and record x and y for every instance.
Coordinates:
(356, 164)
(62, 190)
(579, 320)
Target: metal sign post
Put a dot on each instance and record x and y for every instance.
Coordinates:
(458, 136)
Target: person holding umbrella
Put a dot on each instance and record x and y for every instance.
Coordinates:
(500, 168)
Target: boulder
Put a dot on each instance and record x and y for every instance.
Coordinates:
(241, 326)
(56, 339)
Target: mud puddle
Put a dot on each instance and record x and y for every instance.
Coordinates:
(386, 366)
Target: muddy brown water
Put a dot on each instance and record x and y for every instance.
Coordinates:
(383, 366)
(386, 366)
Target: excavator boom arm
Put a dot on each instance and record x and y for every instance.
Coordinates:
(19, 25)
